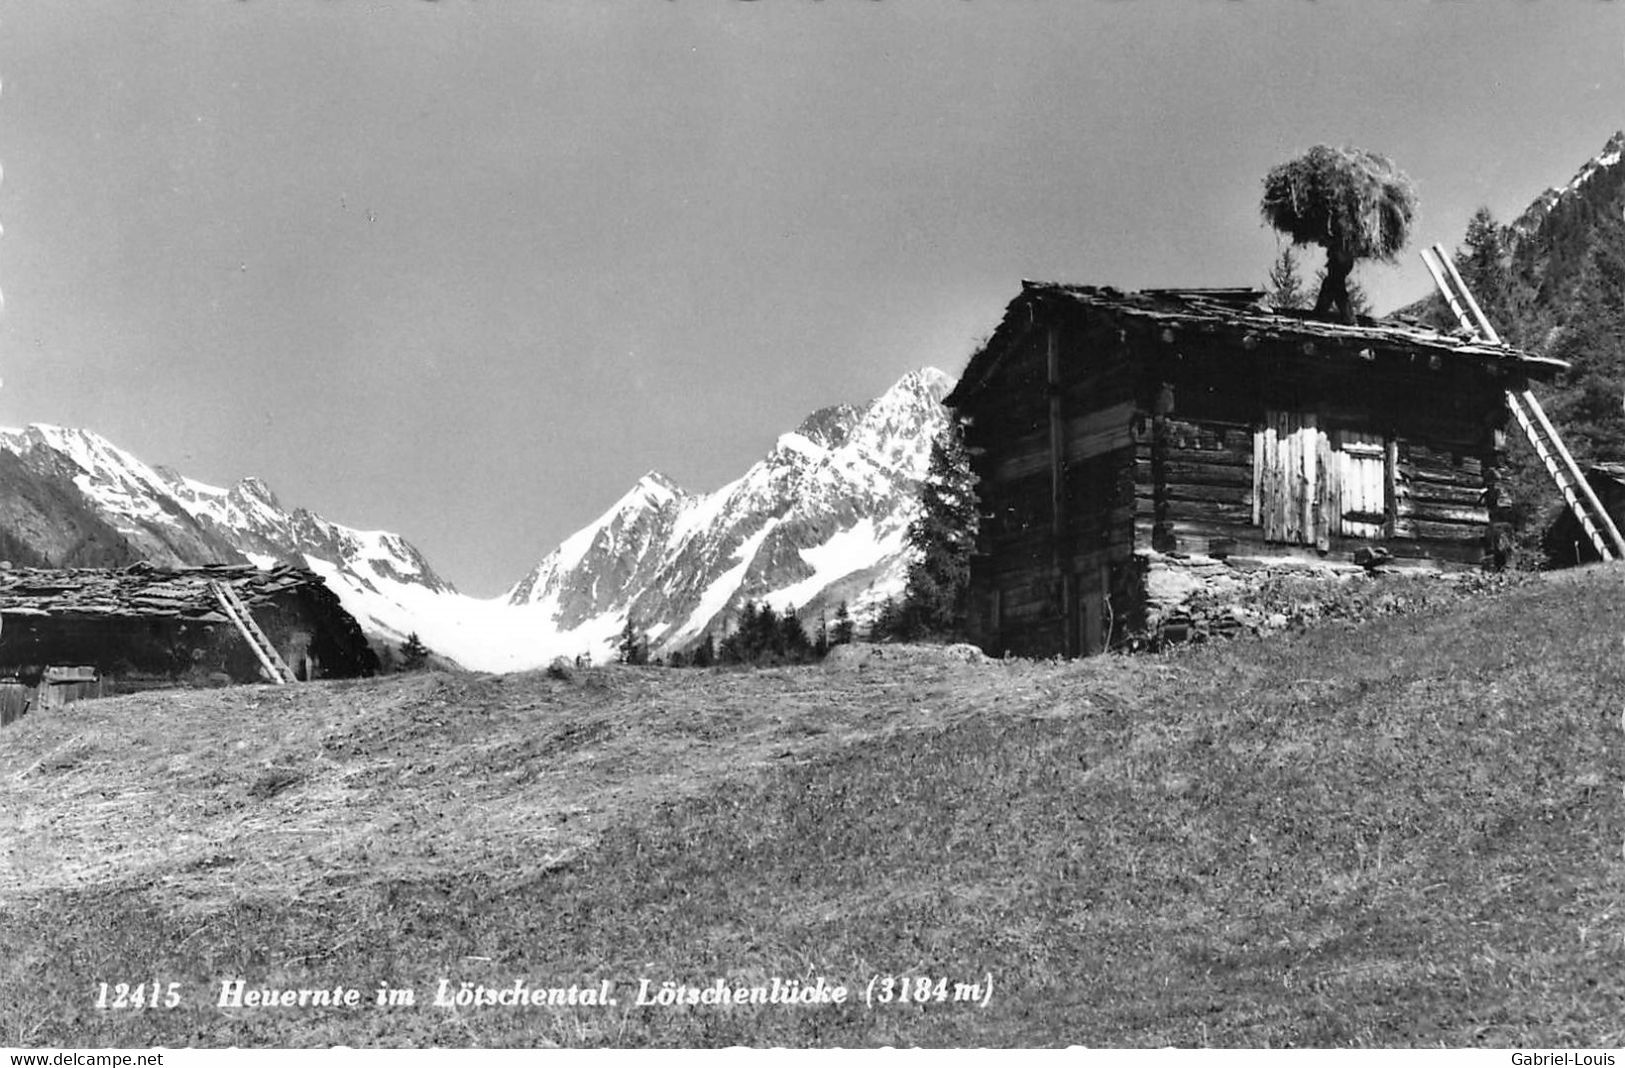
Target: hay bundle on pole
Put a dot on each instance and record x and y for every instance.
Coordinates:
(1354, 204)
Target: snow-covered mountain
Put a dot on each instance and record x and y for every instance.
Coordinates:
(1603, 164)
(163, 517)
(819, 520)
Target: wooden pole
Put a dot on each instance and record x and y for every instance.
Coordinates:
(1584, 485)
(1479, 317)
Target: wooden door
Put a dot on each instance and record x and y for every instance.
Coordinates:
(1093, 610)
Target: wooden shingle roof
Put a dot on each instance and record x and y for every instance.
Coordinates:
(1237, 314)
(142, 591)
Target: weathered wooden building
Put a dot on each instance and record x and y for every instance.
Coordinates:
(1116, 435)
(1564, 541)
(143, 626)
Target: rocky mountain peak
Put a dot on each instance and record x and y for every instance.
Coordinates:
(828, 427)
(255, 489)
(656, 487)
(1537, 213)
(819, 519)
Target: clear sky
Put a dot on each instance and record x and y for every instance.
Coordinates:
(465, 270)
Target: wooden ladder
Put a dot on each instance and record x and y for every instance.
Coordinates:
(270, 660)
(1582, 500)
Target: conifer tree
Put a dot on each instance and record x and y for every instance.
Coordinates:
(1285, 287)
(886, 625)
(735, 647)
(793, 641)
(1482, 261)
(414, 654)
(842, 632)
(1586, 403)
(633, 647)
(766, 636)
(942, 538)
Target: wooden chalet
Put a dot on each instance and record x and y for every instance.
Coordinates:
(1118, 436)
(99, 631)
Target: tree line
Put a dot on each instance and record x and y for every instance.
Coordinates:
(761, 636)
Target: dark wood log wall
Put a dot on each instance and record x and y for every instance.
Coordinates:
(1205, 492)
(302, 623)
(1052, 443)
(1441, 426)
(1204, 500)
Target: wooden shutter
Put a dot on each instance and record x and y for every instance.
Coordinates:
(1290, 455)
(1360, 480)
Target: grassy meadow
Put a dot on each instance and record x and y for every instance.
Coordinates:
(1400, 831)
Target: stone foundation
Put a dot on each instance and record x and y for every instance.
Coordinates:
(1190, 597)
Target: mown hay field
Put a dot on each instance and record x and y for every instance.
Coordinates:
(1404, 831)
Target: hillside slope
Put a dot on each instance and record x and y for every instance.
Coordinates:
(1402, 832)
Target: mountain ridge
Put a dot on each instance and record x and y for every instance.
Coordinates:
(692, 557)
(818, 520)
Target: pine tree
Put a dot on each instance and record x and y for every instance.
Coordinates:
(766, 636)
(886, 625)
(842, 632)
(941, 538)
(1586, 401)
(1482, 261)
(766, 640)
(734, 647)
(793, 637)
(740, 646)
(821, 643)
(414, 654)
(633, 648)
(1285, 287)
